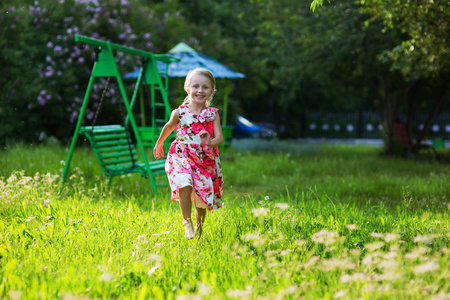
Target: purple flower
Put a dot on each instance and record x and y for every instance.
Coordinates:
(41, 100)
(43, 92)
(122, 36)
(147, 36)
(49, 71)
(57, 50)
(81, 60)
(73, 117)
(49, 45)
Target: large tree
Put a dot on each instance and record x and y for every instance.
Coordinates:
(418, 74)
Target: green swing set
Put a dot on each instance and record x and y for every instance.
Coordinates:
(113, 144)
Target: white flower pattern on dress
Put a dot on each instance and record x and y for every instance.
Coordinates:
(191, 163)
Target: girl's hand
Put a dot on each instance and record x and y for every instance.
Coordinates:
(205, 137)
(158, 151)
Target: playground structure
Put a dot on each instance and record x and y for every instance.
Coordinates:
(120, 148)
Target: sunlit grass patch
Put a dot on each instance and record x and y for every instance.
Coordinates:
(297, 235)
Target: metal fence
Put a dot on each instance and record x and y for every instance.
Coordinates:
(364, 125)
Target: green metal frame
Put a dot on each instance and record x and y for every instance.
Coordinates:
(112, 145)
(152, 80)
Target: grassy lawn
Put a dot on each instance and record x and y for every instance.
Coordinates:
(309, 222)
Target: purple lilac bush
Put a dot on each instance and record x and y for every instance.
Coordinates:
(44, 72)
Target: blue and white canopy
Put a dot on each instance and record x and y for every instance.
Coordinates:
(191, 59)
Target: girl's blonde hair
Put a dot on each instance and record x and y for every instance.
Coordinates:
(203, 72)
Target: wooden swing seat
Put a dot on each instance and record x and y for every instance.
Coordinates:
(116, 153)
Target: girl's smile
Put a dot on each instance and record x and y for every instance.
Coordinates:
(200, 89)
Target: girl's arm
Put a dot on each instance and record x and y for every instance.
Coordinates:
(218, 135)
(158, 151)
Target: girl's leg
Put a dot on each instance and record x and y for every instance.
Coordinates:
(200, 215)
(186, 209)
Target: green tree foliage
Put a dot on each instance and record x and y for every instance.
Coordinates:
(421, 57)
(425, 51)
(417, 59)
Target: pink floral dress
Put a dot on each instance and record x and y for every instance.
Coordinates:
(191, 163)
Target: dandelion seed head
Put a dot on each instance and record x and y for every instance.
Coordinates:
(393, 248)
(266, 198)
(239, 293)
(282, 206)
(374, 246)
(371, 259)
(255, 238)
(333, 263)
(412, 255)
(106, 277)
(325, 237)
(424, 239)
(288, 291)
(353, 277)
(12, 178)
(340, 294)
(390, 255)
(429, 266)
(391, 237)
(376, 235)
(271, 253)
(352, 227)
(286, 252)
(388, 276)
(15, 295)
(203, 288)
(154, 257)
(388, 264)
(312, 261)
(251, 237)
(300, 242)
(262, 211)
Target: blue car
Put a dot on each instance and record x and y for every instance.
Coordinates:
(243, 128)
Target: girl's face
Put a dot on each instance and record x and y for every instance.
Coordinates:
(200, 89)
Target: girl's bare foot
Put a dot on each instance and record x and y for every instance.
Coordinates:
(188, 229)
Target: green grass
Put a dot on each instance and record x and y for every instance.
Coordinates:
(322, 222)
